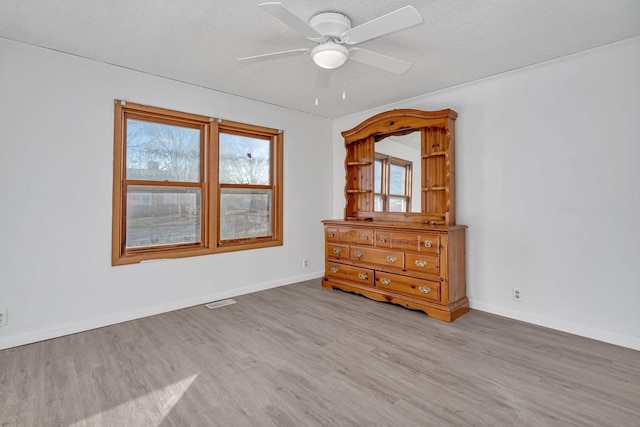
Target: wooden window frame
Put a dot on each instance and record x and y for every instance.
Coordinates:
(276, 168)
(210, 129)
(387, 161)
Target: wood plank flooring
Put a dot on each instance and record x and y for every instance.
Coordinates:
(301, 355)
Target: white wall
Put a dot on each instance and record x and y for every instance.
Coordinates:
(56, 157)
(548, 181)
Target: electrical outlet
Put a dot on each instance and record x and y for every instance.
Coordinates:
(517, 294)
(305, 263)
(3, 317)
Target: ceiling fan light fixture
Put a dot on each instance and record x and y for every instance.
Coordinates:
(329, 55)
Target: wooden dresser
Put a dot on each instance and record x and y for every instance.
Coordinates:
(419, 267)
(415, 259)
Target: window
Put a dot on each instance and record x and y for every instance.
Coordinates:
(392, 184)
(247, 183)
(188, 185)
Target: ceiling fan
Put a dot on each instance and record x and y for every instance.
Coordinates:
(334, 35)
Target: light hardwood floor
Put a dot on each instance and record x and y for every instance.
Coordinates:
(301, 355)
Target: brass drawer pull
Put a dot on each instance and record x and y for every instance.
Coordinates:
(331, 234)
(383, 239)
(391, 258)
(385, 281)
(333, 270)
(428, 244)
(337, 251)
(358, 254)
(363, 276)
(421, 263)
(365, 237)
(424, 289)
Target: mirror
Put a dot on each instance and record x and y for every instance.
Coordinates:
(397, 173)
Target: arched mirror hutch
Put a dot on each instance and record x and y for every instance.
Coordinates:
(384, 250)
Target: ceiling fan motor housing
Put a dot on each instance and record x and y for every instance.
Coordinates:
(330, 24)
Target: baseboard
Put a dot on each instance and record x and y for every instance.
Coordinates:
(62, 330)
(572, 328)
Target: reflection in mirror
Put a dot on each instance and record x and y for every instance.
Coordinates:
(398, 174)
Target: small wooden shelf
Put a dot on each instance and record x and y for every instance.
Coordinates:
(435, 154)
(358, 163)
(359, 191)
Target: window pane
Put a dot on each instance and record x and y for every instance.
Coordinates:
(377, 186)
(245, 212)
(159, 216)
(244, 160)
(397, 204)
(397, 179)
(161, 152)
(377, 203)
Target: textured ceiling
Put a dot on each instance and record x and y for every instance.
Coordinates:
(199, 41)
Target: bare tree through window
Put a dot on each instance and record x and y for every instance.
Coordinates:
(157, 151)
(244, 160)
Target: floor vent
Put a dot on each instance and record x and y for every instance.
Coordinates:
(218, 304)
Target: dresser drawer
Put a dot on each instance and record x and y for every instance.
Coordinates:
(365, 237)
(382, 239)
(337, 251)
(347, 235)
(382, 257)
(408, 285)
(347, 272)
(331, 234)
(422, 263)
(405, 241)
(429, 243)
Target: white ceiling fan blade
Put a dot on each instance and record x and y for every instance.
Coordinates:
(279, 11)
(276, 54)
(400, 19)
(379, 60)
(322, 78)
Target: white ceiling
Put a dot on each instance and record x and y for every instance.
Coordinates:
(199, 41)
